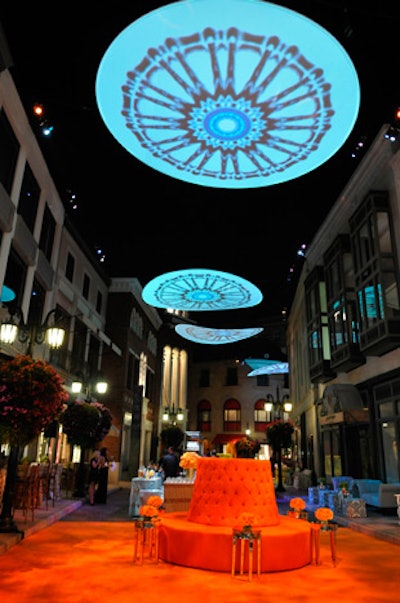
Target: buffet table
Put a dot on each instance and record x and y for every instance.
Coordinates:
(141, 489)
(177, 495)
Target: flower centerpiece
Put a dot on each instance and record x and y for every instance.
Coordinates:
(188, 461)
(344, 488)
(296, 507)
(151, 510)
(246, 447)
(323, 515)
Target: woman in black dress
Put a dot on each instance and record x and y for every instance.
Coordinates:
(101, 492)
(93, 477)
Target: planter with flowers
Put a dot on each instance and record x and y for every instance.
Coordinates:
(188, 462)
(323, 515)
(246, 448)
(297, 508)
(31, 397)
(85, 424)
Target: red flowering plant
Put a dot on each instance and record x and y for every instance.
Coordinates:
(31, 397)
(86, 423)
(279, 434)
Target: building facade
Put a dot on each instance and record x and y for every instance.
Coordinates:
(343, 329)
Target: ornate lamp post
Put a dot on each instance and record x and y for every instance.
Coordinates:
(86, 421)
(32, 334)
(279, 431)
(173, 416)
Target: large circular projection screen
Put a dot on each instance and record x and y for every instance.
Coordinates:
(228, 93)
(199, 290)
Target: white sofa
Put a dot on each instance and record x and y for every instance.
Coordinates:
(376, 493)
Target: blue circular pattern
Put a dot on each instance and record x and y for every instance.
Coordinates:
(227, 124)
(228, 93)
(207, 335)
(199, 290)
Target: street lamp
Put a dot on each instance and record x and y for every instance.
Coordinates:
(276, 405)
(279, 408)
(173, 416)
(16, 327)
(100, 386)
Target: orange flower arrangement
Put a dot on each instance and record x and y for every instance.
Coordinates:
(155, 501)
(189, 460)
(148, 511)
(298, 504)
(323, 514)
(152, 507)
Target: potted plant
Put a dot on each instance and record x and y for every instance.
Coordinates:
(31, 397)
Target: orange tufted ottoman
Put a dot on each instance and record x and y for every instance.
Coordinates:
(223, 490)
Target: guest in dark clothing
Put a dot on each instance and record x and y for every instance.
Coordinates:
(169, 463)
(101, 492)
(93, 477)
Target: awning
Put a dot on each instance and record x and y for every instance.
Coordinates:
(224, 438)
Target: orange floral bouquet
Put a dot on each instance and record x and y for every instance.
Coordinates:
(152, 507)
(298, 504)
(189, 460)
(323, 514)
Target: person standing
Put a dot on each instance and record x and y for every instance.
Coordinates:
(101, 492)
(169, 463)
(93, 477)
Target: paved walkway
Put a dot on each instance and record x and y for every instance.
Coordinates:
(378, 525)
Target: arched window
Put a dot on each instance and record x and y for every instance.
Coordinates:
(261, 416)
(204, 416)
(232, 415)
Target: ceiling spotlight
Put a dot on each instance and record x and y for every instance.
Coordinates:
(392, 133)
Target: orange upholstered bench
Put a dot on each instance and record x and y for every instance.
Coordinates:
(224, 490)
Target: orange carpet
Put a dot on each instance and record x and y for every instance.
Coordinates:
(92, 563)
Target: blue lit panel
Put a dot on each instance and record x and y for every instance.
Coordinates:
(215, 336)
(199, 289)
(228, 93)
(6, 294)
(262, 366)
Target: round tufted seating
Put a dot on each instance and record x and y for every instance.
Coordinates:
(223, 490)
(226, 488)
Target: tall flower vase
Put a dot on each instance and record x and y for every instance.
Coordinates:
(190, 473)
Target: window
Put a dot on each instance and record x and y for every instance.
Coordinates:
(99, 302)
(16, 275)
(29, 198)
(70, 268)
(204, 416)
(376, 275)
(9, 149)
(342, 305)
(262, 380)
(317, 326)
(232, 415)
(260, 416)
(47, 233)
(204, 380)
(231, 376)
(86, 286)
